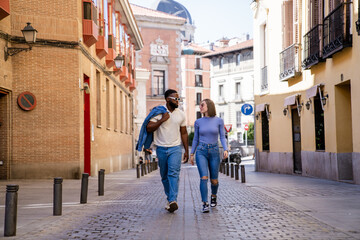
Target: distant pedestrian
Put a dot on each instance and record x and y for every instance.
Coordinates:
(169, 131)
(205, 143)
(148, 153)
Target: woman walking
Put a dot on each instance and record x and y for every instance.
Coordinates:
(205, 143)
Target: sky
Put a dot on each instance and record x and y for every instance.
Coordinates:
(214, 19)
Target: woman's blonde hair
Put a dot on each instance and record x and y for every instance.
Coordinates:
(211, 107)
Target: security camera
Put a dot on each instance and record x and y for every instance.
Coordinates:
(86, 88)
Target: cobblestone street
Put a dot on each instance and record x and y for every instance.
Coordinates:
(134, 209)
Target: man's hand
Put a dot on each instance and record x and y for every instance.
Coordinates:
(165, 117)
(186, 157)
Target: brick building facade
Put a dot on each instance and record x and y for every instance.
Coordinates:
(70, 130)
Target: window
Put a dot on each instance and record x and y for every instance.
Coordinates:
(198, 115)
(115, 108)
(198, 98)
(98, 99)
(221, 64)
(121, 112)
(239, 137)
(287, 21)
(107, 104)
(238, 59)
(265, 131)
(238, 90)
(238, 119)
(158, 82)
(319, 124)
(221, 115)
(221, 92)
(198, 63)
(198, 81)
(126, 114)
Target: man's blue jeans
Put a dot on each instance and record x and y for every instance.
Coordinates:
(170, 164)
(208, 160)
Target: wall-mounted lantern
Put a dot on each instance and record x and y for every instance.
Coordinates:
(285, 111)
(29, 34)
(308, 104)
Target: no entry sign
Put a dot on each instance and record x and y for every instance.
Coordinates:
(246, 127)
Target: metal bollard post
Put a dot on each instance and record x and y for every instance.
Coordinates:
(101, 181)
(149, 167)
(137, 171)
(227, 169)
(237, 171)
(242, 173)
(232, 170)
(11, 210)
(145, 169)
(142, 169)
(84, 187)
(57, 201)
(223, 168)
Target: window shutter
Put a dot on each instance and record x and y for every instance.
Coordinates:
(288, 23)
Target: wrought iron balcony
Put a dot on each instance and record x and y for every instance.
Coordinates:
(312, 47)
(264, 81)
(289, 62)
(198, 84)
(337, 33)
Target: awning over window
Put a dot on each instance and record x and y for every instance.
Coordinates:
(260, 107)
(291, 100)
(311, 92)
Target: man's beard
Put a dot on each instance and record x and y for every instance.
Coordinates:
(173, 105)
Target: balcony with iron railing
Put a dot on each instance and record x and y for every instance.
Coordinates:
(337, 34)
(289, 62)
(198, 84)
(264, 81)
(312, 47)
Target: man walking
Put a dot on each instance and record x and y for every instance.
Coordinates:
(169, 131)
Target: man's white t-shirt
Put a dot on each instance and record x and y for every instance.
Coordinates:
(168, 134)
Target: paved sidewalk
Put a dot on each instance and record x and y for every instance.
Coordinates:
(268, 206)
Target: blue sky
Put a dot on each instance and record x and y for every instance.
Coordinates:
(215, 19)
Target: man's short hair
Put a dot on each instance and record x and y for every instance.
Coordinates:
(169, 92)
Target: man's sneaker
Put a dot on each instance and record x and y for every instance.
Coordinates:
(205, 207)
(173, 207)
(213, 202)
(167, 206)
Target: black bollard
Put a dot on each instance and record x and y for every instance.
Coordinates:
(142, 169)
(145, 172)
(101, 181)
(11, 210)
(232, 170)
(237, 171)
(84, 187)
(227, 169)
(137, 171)
(148, 166)
(222, 167)
(242, 173)
(57, 201)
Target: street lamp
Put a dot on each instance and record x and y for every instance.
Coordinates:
(29, 34)
(119, 61)
(285, 111)
(308, 104)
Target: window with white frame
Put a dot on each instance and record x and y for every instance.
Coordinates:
(221, 115)
(238, 90)
(221, 92)
(238, 119)
(158, 85)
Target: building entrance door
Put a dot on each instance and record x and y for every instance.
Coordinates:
(87, 129)
(4, 136)
(296, 132)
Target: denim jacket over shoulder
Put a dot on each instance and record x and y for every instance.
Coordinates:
(146, 138)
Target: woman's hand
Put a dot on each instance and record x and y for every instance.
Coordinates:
(226, 154)
(192, 159)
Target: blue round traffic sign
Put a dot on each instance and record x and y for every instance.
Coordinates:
(246, 109)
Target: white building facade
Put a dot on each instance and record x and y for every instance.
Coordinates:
(232, 85)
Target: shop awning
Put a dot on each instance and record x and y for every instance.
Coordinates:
(291, 100)
(311, 92)
(260, 107)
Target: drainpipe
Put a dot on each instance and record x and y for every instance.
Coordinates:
(357, 23)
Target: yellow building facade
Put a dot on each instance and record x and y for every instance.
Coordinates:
(307, 72)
